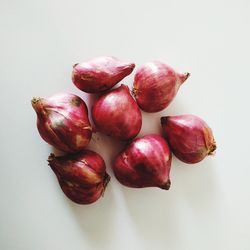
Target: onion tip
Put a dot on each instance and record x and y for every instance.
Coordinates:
(184, 77)
(51, 157)
(164, 120)
(166, 186)
(133, 92)
(35, 100)
(212, 149)
(131, 66)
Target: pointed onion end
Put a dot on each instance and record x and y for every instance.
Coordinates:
(167, 185)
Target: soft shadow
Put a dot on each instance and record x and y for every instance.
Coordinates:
(151, 123)
(196, 183)
(154, 213)
(159, 215)
(92, 98)
(107, 147)
(96, 221)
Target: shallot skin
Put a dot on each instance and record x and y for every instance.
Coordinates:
(62, 121)
(100, 74)
(81, 176)
(146, 162)
(189, 137)
(155, 85)
(117, 114)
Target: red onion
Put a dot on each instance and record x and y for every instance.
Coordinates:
(155, 86)
(116, 114)
(189, 137)
(62, 121)
(81, 176)
(146, 162)
(100, 74)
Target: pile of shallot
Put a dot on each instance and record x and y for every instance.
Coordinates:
(63, 122)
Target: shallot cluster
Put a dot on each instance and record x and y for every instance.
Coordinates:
(145, 161)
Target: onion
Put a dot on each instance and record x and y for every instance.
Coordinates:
(100, 74)
(189, 137)
(155, 86)
(146, 162)
(116, 114)
(62, 121)
(81, 176)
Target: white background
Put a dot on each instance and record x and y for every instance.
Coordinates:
(208, 205)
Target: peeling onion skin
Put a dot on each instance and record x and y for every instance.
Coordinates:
(100, 74)
(189, 137)
(155, 85)
(146, 162)
(117, 114)
(62, 121)
(82, 176)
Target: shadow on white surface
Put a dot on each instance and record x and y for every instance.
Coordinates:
(96, 220)
(151, 122)
(158, 214)
(195, 183)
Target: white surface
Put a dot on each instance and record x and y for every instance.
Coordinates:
(208, 204)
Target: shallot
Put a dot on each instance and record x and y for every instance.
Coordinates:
(146, 162)
(116, 114)
(100, 74)
(62, 121)
(189, 137)
(155, 85)
(82, 176)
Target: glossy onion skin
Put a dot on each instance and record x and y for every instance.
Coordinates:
(155, 85)
(100, 74)
(62, 121)
(81, 176)
(146, 162)
(116, 114)
(189, 137)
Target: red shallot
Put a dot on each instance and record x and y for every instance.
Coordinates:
(155, 85)
(100, 74)
(117, 114)
(82, 176)
(189, 137)
(146, 162)
(62, 121)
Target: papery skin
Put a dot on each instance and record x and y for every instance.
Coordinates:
(117, 114)
(62, 121)
(100, 74)
(81, 176)
(146, 162)
(155, 85)
(189, 137)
